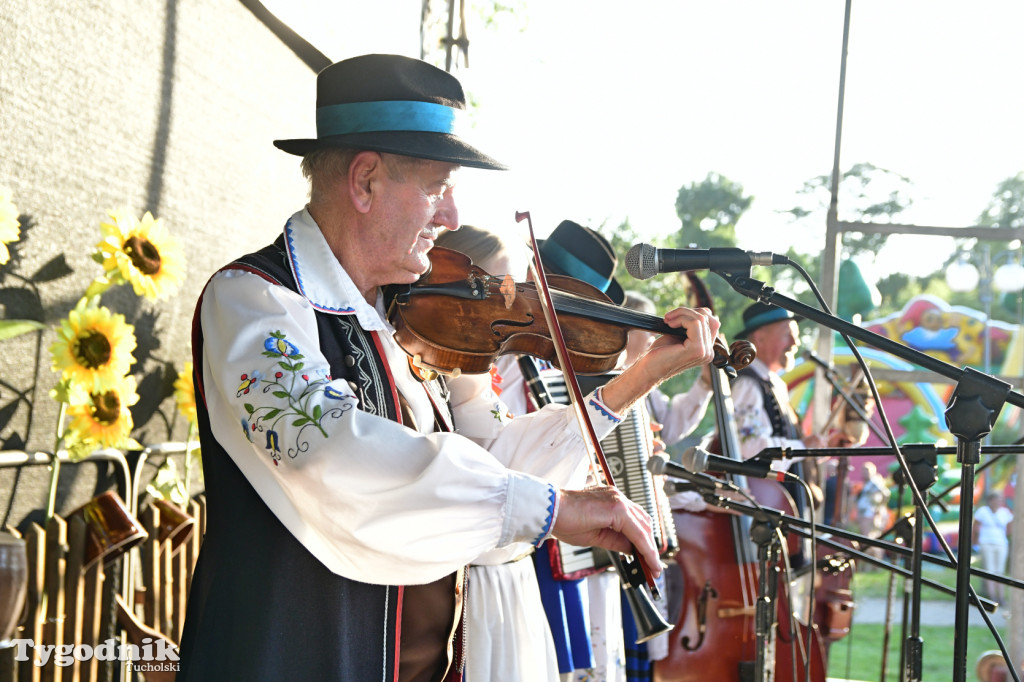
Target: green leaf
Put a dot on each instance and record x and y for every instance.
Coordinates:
(280, 394)
(317, 411)
(300, 422)
(273, 413)
(249, 408)
(11, 328)
(298, 366)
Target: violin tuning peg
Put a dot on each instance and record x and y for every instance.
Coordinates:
(456, 373)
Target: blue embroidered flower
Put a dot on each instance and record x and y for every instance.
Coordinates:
(334, 394)
(273, 446)
(278, 345)
(294, 399)
(245, 429)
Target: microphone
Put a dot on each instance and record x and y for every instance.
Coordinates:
(700, 460)
(644, 261)
(660, 466)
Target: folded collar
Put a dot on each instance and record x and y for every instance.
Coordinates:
(320, 277)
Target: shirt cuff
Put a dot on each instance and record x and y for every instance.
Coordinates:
(602, 417)
(530, 510)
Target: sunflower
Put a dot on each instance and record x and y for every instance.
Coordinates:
(142, 253)
(185, 393)
(103, 419)
(93, 347)
(10, 228)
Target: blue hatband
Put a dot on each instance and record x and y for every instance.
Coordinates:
(370, 117)
(768, 317)
(553, 253)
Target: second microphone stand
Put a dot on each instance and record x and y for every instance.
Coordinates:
(970, 414)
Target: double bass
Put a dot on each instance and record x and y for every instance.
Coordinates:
(715, 635)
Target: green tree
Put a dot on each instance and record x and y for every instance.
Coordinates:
(1006, 208)
(867, 194)
(708, 212)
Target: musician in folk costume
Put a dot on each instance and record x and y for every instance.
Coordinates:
(763, 413)
(584, 614)
(507, 633)
(678, 415)
(341, 507)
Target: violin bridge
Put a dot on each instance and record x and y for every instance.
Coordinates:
(508, 290)
(733, 612)
(419, 370)
(424, 373)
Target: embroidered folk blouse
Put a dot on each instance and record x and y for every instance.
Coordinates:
(373, 500)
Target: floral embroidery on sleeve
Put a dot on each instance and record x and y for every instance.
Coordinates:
(295, 390)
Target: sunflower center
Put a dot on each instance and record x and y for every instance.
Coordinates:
(93, 350)
(144, 255)
(106, 407)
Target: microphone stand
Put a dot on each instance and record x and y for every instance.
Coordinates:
(970, 414)
(924, 472)
(763, 533)
(851, 400)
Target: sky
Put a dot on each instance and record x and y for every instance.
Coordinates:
(603, 113)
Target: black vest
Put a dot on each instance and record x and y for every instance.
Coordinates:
(261, 607)
(784, 426)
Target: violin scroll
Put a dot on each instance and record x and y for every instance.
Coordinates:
(739, 355)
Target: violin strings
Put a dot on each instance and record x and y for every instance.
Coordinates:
(575, 304)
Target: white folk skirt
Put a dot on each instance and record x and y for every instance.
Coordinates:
(507, 633)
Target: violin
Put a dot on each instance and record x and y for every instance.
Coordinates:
(458, 318)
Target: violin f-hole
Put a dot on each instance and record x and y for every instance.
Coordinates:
(529, 322)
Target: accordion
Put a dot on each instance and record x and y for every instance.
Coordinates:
(626, 450)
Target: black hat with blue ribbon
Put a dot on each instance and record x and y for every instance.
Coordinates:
(757, 315)
(394, 104)
(580, 252)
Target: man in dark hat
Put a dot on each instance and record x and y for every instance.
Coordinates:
(764, 416)
(342, 507)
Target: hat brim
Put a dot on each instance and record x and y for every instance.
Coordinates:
(421, 145)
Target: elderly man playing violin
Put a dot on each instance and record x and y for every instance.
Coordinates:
(342, 507)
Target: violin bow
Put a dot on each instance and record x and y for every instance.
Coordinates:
(571, 383)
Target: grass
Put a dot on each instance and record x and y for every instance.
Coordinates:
(875, 583)
(859, 655)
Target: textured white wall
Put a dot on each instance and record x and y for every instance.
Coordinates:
(169, 107)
